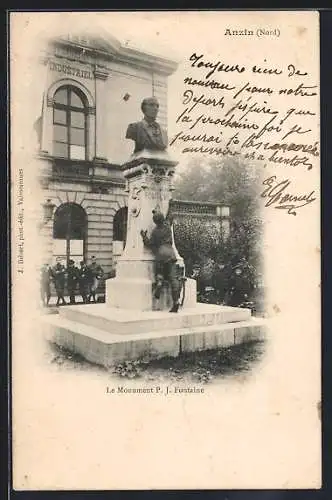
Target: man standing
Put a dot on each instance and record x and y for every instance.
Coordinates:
(83, 280)
(147, 133)
(220, 282)
(58, 275)
(95, 274)
(161, 244)
(72, 279)
(241, 283)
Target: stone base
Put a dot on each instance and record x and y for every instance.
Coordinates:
(138, 294)
(107, 336)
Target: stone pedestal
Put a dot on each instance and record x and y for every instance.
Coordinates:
(132, 324)
(107, 336)
(148, 177)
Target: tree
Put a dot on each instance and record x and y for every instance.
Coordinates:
(233, 182)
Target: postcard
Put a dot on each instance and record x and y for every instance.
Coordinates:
(165, 194)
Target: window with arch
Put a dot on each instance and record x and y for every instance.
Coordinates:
(70, 132)
(69, 232)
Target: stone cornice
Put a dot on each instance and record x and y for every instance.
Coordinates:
(149, 157)
(111, 49)
(101, 73)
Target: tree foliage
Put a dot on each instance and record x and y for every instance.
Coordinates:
(196, 239)
(233, 182)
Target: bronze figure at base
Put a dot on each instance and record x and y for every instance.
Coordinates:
(160, 242)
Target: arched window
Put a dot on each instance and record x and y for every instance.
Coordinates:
(69, 232)
(120, 225)
(70, 123)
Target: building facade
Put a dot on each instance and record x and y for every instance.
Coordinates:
(92, 90)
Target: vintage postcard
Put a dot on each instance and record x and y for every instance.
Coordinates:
(165, 193)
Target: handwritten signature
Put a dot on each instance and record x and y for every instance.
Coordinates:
(279, 198)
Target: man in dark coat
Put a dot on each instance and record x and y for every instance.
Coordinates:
(58, 275)
(220, 281)
(83, 280)
(161, 244)
(95, 275)
(72, 280)
(147, 133)
(240, 283)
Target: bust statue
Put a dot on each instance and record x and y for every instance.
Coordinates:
(147, 133)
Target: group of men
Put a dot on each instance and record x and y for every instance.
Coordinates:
(86, 277)
(231, 284)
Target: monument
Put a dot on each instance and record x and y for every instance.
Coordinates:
(136, 319)
(148, 134)
(148, 175)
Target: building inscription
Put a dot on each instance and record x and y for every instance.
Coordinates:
(71, 70)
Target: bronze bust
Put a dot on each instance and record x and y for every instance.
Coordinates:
(148, 134)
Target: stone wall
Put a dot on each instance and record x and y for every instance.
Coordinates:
(100, 209)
